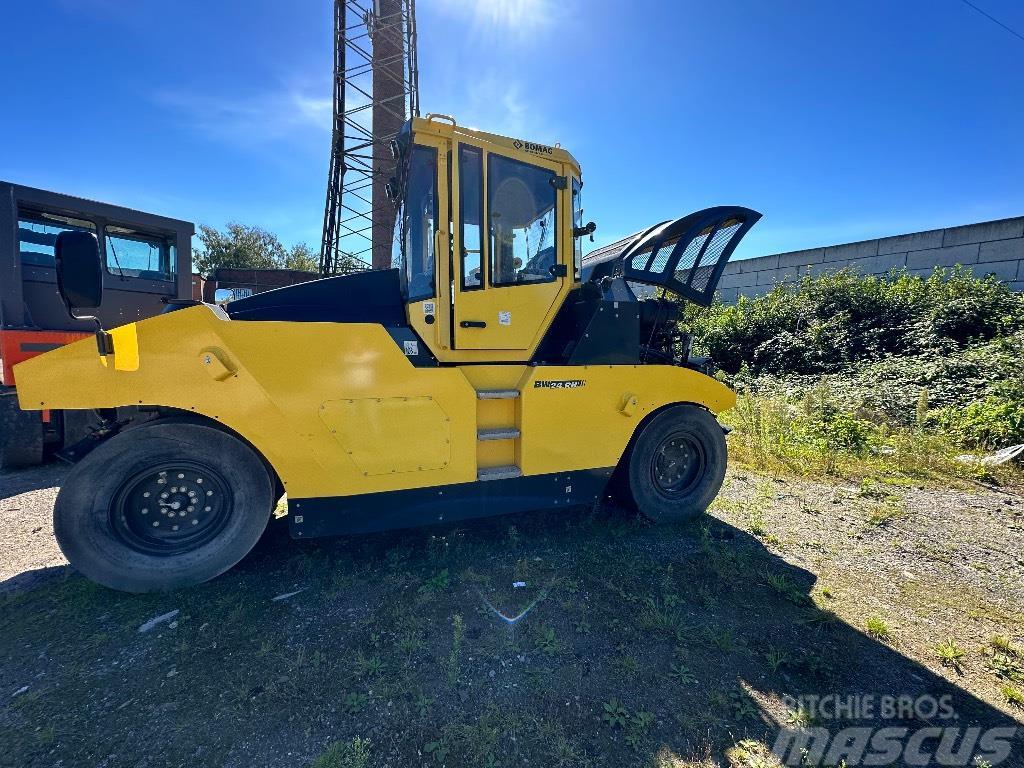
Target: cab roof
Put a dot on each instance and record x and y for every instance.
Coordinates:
(443, 125)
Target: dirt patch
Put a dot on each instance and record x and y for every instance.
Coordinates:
(26, 510)
(627, 645)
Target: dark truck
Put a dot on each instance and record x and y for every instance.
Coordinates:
(148, 263)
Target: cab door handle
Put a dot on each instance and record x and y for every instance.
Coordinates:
(472, 324)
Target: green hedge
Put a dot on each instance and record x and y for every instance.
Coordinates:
(875, 344)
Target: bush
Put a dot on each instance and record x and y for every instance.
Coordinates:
(994, 422)
(877, 353)
(833, 322)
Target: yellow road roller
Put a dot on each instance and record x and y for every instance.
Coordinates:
(494, 369)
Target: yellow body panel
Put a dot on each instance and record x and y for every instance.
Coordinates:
(338, 409)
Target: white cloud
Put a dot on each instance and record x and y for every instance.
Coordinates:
(294, 114)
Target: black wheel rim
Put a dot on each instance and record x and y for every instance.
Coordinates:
(171, 509)
(678, 465)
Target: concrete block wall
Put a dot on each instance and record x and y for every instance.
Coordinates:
(991, 247)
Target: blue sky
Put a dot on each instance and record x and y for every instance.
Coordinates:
(838, 120)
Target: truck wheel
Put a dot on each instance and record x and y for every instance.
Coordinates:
(677, 464)
(162, 506)
(22, 437)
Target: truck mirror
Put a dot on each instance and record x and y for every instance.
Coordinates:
(223, 295)
(79, 270)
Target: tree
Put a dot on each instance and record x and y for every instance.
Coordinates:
(301, 256)
(244, 247)
(239, 247)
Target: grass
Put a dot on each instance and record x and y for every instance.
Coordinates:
(345, 754)
(771, 434)
(1013, 695)
(877, 628)
(949, 653)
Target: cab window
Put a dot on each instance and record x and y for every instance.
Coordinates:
(37, 235)
(471, 212)
(131, 253)
(577, 222)
(521, 207)
(419, 222)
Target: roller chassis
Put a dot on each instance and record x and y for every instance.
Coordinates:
(373, 407)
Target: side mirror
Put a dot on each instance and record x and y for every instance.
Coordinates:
(80, 279)
(79, 270)
(223, 295)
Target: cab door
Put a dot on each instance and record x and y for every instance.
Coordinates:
(510, 256)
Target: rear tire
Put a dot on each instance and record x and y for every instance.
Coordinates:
(22, 435)
(162, 506)
(677, 464)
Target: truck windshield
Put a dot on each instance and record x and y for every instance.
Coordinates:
(416, 222)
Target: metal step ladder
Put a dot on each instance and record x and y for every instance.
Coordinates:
(498, 441)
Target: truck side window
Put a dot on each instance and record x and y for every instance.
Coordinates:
(131, 253)
(37, 234)
(521, 205)
(471, 212)
(420, 223)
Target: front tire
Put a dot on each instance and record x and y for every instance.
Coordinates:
(677, 464)
(163, 506)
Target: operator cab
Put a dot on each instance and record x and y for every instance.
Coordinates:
(484, 238)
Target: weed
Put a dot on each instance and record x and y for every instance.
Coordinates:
(661, 615)
(628, 664)
(454, 658)
(637, 728)
(877, 628)
(681, 673)
(1005, 666)
(368, 666)
(781, 583)
(885, 512)
(424, 705)
(776, 657)
(615, 714)
(345, 754)
(438, 749)
(409, 643)
(801, 717)
(749, 753)
(547, 643)
(741, 704)
(582, 627)
(950, 653)
(724, 639)
(434, 584)
(354, 702)
(1013, 695)
(757, 523)
(1003, 644)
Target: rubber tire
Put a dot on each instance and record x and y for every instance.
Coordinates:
(22, 437)
(81, 516)
(650, 501)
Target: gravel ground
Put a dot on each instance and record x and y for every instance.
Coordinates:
(26, 511)
(705, 630)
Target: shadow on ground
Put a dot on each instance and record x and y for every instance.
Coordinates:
(639, 646)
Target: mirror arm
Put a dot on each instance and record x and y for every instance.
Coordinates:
(104, 340)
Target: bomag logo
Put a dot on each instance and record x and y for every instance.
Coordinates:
(559, 384)
(529, 146)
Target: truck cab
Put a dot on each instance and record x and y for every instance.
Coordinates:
(147, 260)
(489, 286)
